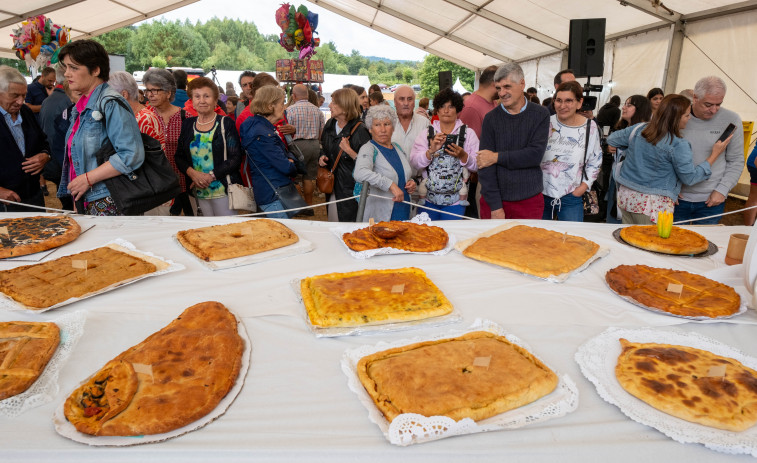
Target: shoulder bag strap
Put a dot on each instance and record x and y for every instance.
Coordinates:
(264, 177)
(338, 156)
(586, 149)
(223, 138)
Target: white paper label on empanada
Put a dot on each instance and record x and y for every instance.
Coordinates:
(398, 289)
(716, 371)
(4, 231)
(143, 368)
(482, 361)
(674, 288)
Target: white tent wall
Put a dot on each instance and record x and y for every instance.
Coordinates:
(728, 41)
(540, 73)
(634, 64)
(638, 63)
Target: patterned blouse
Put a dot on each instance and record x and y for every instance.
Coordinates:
(201, 150)
(172, 132)
(643, 203)
(149, 124)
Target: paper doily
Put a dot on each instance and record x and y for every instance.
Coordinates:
(46, 387)
(410, 428)
(598, 357)
(420, 219)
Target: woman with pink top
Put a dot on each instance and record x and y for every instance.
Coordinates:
(448, 154)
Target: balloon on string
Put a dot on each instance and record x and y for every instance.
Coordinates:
(38, 39)
(298, 29)
(313, 20)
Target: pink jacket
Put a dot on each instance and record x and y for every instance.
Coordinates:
(418, 157)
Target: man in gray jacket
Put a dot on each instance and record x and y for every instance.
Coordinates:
(708, 122)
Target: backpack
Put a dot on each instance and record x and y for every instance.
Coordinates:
(445, 174)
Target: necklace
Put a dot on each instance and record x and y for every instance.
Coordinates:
(199, 122)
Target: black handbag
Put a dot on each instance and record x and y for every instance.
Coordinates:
(591, 196)
(288, 195)
(148, 186)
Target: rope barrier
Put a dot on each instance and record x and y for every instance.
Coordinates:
(712, 216)
(8, 201)
(63, 211)
(299, 208)
(424, 207)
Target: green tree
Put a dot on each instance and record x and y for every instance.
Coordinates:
(15, 63)
(429, 74)
(356, 61)
(408, 74)
(158, 62)
(234, 45)
(181, 45)
(117, 41)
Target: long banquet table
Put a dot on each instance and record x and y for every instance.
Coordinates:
(295, 404)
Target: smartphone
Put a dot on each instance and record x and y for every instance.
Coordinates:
(727, 132)
(451, 140)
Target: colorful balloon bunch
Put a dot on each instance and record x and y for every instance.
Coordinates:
(38, 40)
(298, 29)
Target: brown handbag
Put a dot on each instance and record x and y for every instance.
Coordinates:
(325, 177)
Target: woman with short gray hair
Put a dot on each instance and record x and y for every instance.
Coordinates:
(160, 88)
(124, 83)
(384, 166)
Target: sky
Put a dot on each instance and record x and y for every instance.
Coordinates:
(346, 34)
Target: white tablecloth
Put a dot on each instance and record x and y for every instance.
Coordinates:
(295, 404)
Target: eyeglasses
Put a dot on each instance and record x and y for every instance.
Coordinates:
(248, 84)
(628, 105)
(149, 91)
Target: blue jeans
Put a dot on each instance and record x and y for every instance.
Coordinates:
(611, 197)
(272, 208)
(569, 208)
(434, 215)
(686, 210)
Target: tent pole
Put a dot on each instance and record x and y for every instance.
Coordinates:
(675, 46)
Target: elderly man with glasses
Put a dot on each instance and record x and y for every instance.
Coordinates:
(25, 150)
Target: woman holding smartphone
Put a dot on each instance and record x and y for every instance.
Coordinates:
(659, 160)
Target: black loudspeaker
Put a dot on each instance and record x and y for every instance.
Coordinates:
(586, 49)
(445, 80)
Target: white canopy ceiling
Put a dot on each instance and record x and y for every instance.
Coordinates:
(472, 33)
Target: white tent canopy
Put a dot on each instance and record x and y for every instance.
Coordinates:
(648, 43)
(458, 87)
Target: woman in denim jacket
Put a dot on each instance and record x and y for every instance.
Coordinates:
(94, 120)
(658, 161)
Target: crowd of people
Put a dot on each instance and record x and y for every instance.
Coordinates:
(497, 152)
